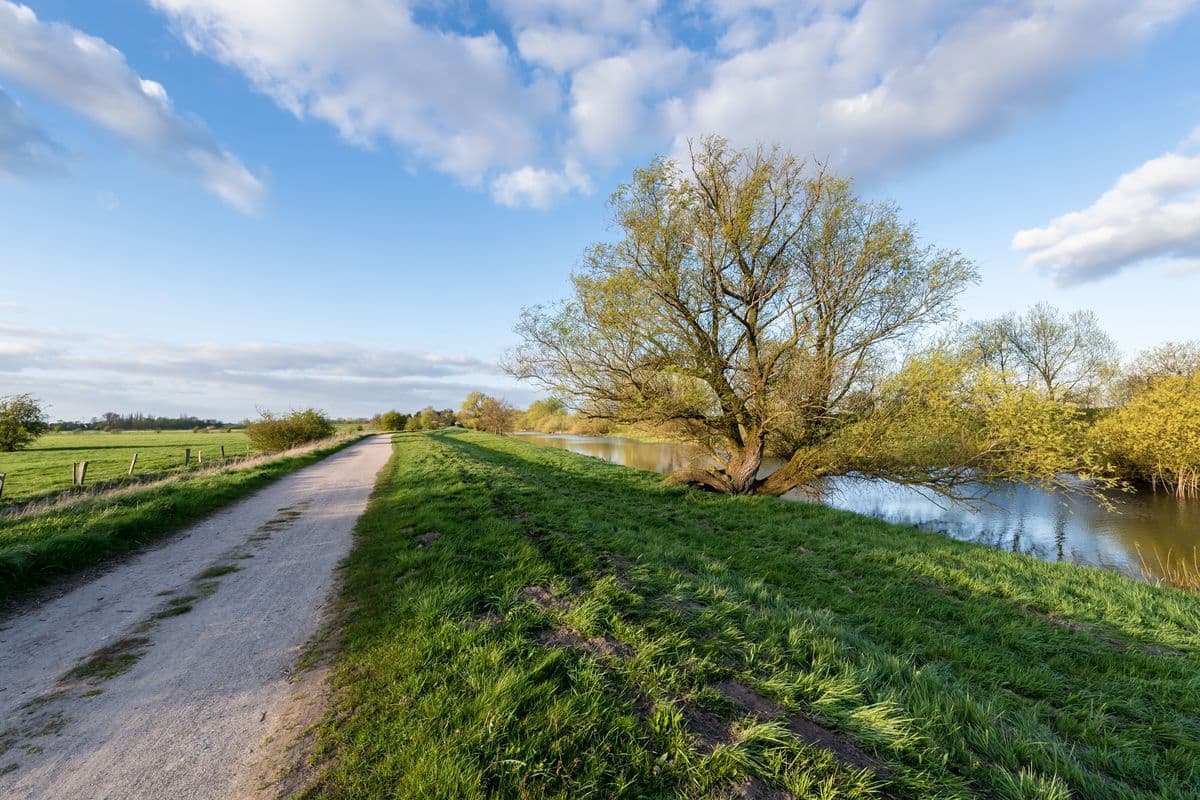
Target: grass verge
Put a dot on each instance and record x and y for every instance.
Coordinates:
(578, 629)
(62, 539)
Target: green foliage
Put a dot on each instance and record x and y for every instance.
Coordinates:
(471, 410)
(946, 422)
(960, 671)
(273, 433)
(429, 419)
(1155, 437)
(21, 421)
(748, 300)
(393, 421)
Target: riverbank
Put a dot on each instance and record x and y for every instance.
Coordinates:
(526, 622)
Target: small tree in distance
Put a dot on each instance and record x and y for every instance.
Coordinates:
(496, 415)
(392, 421)
(21, 421)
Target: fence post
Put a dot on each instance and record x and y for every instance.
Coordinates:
(82, 472)
(199, 456)
(187, 456)
(133, 463)
(222, 454)
(2, 476)
(74, 473)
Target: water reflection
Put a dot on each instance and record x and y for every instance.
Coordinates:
(1015, 517)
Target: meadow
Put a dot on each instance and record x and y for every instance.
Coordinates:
(44, 542)
(45, 466)
(527, 622)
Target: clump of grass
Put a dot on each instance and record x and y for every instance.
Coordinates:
(707, 646)
(110, 661)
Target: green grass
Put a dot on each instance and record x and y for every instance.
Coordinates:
(579, 630)
(36, 549)
(46, 465)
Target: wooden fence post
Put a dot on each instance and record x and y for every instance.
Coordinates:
(187, 456)
(80, 473)
(2, 476)
(133, 463)
(222, 454)
(199, 456)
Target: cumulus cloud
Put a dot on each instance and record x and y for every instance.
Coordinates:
(73, 373)
(1150, 213)
(871, 85)
(25, 149)
(92, 78)
(369, 69)
(537, 187)
(874, 85)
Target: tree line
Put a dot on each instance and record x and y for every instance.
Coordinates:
(755, 305)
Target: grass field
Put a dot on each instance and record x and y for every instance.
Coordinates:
(526, 622)
(46, 465)
(42, 545)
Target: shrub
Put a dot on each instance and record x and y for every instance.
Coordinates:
(21, 421)
(272, 432)
(392, 421)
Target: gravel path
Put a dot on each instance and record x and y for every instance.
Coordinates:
(182, 655)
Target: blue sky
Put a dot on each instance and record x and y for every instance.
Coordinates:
(208, 206)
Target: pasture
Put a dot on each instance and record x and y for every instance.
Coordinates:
(46, 466)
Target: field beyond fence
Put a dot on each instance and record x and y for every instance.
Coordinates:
(47, 465)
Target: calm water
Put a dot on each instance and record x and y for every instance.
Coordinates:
(1019, 518)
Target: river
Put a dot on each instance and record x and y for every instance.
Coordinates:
(1021, 518)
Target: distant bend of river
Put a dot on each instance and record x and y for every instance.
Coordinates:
(1017, 517)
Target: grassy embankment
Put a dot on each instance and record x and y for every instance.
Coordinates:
(45, 466)
(525, 622)
(42, 543)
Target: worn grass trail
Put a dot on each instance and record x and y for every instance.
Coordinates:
(526, 622)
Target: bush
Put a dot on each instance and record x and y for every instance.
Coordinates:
(392, 421)
(272, 433)
(21, 421)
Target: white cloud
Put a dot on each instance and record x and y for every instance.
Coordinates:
(537, 187)
(872, 85)
(367, 68)
(1150, 213)
(25, 149)
(92, 78)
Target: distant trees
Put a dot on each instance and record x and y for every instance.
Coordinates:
(272, 433)
(470, 413)
(1169, 358)
(1068, 356)
(497, 415)
(393, 421)
(113, 421)
(429, 418)
(548, 416)
(21, 421)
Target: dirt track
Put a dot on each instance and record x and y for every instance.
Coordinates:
(206, 657)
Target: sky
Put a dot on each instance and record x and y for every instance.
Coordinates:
(210, 207)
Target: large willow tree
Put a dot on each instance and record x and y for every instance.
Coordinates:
(751, 301)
